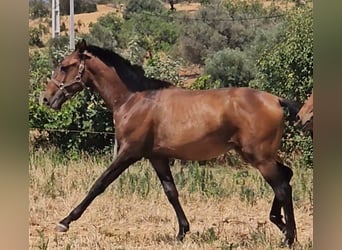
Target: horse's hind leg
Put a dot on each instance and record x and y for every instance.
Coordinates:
(275, 214)
(279, 176)
(161, 166)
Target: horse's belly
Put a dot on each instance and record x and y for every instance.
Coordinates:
(196, 151)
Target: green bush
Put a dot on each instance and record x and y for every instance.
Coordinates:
(231, 67)
(58, 47)
(139, 6)
(152, 33)
(285, 67)
(198, 41)
(35, 35)
(106, 31)
(163, 68)
(38, 8)
(222, 24)
(205, 82)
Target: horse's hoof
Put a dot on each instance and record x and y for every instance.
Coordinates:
(180, 238)
(61, 228)
(289, 242)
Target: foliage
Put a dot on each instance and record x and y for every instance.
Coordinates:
(58, 47)
(163, 68)
(285, 67)
(205, 82)
(38, 8)
(198, 40)
(151, 32)
(84, 6)
(35, 37)
(231, 67)
(84, 113)
(219, 25)
(139, 6)
(105, 32)
(39, 69)
(136, 54)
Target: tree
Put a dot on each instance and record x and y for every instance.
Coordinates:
(286, 65)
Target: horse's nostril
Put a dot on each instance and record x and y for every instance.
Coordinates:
(45, 101)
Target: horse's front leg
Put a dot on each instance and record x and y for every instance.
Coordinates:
(161, 166)
(122, 162)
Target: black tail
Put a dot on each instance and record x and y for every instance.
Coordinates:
(292, 106)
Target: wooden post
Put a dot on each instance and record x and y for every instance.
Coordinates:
(55, 18)
(72, 25)
(115, 153)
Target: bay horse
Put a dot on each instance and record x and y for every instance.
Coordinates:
(305, 115)
(158, 121)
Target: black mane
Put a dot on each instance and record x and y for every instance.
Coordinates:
(132, 75)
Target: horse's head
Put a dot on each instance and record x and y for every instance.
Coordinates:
(68, 78)
(305, 114)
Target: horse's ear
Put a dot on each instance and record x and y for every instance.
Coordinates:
(83, 56)
(81, 46)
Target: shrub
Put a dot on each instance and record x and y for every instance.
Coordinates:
(219, 25)
(152, 33)
(231, 67)
(286, 65)
(205, 82)
(106, 31)
(139, 6)
(163, 68)
(58, 47)
(38, 8)
(35, 35)
(198, 41)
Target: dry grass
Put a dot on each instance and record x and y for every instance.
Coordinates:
(134, 213)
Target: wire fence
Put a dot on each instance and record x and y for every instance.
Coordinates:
(72, 131)
(113, 133)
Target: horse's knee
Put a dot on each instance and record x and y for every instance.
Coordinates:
(283, 192)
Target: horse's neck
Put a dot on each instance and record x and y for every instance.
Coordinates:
(110, 87)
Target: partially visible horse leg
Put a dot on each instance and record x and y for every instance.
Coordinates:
(161, 166)
(122, 162)
(275, 214)
(279, 176)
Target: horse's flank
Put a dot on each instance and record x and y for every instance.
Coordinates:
(199, 125)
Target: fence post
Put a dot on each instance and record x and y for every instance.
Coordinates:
(115, 153)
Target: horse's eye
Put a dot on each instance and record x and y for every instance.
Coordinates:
(64, 68)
